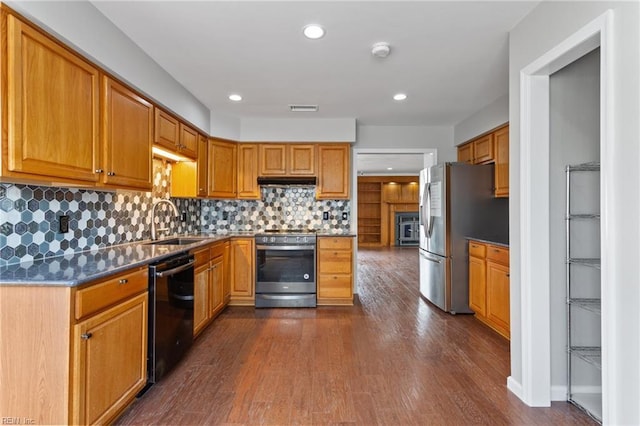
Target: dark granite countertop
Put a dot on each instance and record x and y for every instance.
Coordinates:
(79, 268)
(491, 240)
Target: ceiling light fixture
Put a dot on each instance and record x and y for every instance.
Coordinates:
(399, 97)
(235, 97)
(313, 31)
(389, 168)
(380, 50)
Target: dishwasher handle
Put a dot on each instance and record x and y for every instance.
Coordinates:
(175, 270)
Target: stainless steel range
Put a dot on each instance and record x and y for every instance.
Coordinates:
(286, 269)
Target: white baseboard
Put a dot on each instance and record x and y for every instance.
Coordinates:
(515, 387)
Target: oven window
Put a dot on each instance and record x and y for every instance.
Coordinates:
(285, 266)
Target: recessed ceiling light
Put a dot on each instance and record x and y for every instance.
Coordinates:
(235, 97)
(389, 168)
(399, 97)
(313, 31)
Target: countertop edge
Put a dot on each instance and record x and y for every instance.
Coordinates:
(486, 241)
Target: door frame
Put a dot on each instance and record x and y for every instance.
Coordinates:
(535, 386)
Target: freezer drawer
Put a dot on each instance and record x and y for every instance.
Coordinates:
(433, 279)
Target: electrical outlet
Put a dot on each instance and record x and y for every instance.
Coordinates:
(345, 216)
(63, 223)
(225, 215)
(325, 216)
(183, 217)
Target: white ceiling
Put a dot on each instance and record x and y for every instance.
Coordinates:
(450, 58)
(378, 164)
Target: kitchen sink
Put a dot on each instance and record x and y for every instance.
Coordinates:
(177, 241)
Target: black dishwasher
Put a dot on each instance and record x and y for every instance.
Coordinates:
(170, 314)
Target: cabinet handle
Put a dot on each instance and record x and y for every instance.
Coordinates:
(474, 246)
(496, 251)
(86, 336)
(99, 171)
(508, 275)
(111, 173)
(123, 281)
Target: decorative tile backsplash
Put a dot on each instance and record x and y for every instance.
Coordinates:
(280, 208)
(29, 216)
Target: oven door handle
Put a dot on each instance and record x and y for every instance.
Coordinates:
(284, 248)
(174, 271)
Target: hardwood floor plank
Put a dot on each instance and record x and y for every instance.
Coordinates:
(391, 359)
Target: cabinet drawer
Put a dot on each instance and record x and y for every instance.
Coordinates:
(334, 286)
(498, 254)
(216, 250)
(335, 243)
(119, 287)
(477, 249)
(201, 256)
(335, 262)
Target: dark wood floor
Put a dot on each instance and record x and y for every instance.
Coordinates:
(393, 359)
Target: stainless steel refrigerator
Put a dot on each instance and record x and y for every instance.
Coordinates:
(456, 203)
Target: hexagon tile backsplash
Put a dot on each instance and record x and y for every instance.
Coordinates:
(29, 216)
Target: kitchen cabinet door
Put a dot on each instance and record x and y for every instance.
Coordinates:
(51, 109)
(201, 297)
(477, 285)
(242, 271)
(110, 361)
(222, 169)
(248, 171)
(167, 130)
(127, 137)
(227, 273)
(188, 141)
(334, 165)
(483, 149)
(335, 271)
(465, 153)
(498, 297)
(502, 162)
(273, 159)
(216, 289)
(301, 160)
(203, 166)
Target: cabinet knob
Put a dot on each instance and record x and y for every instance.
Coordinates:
(123, 281)
(508, 275)
(111, 173)
(99, 171)
(86, 336)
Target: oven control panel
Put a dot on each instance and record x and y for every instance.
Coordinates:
(286, 239)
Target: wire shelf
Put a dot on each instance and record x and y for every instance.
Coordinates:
(585, 167)
(589, 354)
(592, 262)
(592, 305)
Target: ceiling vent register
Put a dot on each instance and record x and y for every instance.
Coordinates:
(303, 108)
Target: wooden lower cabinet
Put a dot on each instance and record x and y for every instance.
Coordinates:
(335, 271)
(242, 259)
(210, 280)
(110, 361)
(73, 355)
(489, 285)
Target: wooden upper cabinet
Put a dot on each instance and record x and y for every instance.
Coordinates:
(51, 104)
(301, 160)
(334, 163)
(188, 141)
(203, 166)
(291, 159)
(273, 160)
(465, 153)
(167, 130)
(248, 171)
(222, 169)
(483, 149)
(127, 137)
(502, 162)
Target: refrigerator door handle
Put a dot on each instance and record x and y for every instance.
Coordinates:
(428, 220)
(424, 256)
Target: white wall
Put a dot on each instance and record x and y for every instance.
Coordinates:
(489, 117)
(80, 25)
(544, 28)
(225, 126)
(298, 129)
(397, 137)
(574, 109)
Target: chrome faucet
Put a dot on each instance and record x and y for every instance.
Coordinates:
(153, 216)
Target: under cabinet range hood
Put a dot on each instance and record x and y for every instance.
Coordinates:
(280, 181)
